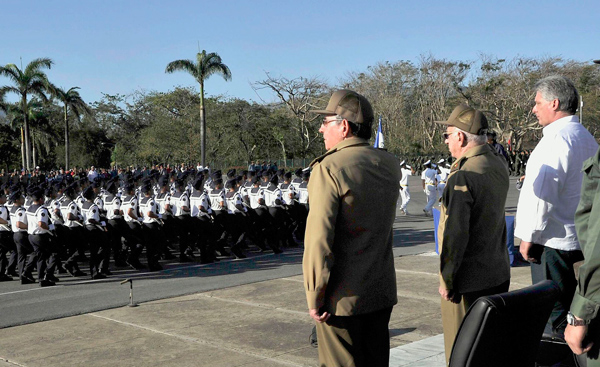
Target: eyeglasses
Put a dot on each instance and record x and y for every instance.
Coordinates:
(447, 135)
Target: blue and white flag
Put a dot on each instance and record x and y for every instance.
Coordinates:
(379, 137)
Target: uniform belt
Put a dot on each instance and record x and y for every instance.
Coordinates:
(404, 185)
(430, 184)
(442, 181)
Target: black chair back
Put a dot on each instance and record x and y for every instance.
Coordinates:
(504, 329)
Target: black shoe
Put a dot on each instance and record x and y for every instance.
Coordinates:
(70, 268)
(135, 264)
(168, 255)
(5, 278)
(61, 270)
(12, 273)
(82, 258)
(155, 267)
(46, 283)
(120, 263)
(98, 276)
(189, 253)
(185, 259)
(277, 250)
(106, 272)
(51, 278)
(27, 280)
(237, 252)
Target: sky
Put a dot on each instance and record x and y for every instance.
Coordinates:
(118, 47)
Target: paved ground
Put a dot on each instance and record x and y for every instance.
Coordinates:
(236, 313)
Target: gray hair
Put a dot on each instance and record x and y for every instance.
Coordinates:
(475, 139)
(359, 130)
(561, 88)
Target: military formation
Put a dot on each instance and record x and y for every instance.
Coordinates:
(61, 222)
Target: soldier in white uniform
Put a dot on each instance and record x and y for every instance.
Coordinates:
(181, 213)
(444, 172)
(96, 235)
(44, 253)
(75, 234)
(152, 231)
(18, 220)
(404, 191)
(7, 245)
(428, 178)
(218, 206)
(134, 236)
(201, 220)
(237, 222)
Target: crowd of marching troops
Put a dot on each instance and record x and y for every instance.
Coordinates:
(60, 224)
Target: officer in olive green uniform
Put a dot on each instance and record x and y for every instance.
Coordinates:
(472, 229)
(348, 263)
(583, 321)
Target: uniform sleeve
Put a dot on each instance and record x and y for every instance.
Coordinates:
(42, 216)
(458, 202)
(320, 231)
(586, 301)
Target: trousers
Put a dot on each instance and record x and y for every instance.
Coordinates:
(453, 313)
(355, 341)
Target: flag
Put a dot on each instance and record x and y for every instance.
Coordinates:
(379, 137)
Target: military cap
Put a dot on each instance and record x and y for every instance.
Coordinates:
(88, 193)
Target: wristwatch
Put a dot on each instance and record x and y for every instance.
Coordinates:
(571, 320)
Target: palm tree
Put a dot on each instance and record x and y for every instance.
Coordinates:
(40, 130)
(73, 101)
(206, 65)
(30, 81)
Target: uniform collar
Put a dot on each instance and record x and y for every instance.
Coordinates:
(475, 151)
(339, 146)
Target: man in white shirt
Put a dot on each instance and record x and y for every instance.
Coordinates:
(92, 174)
(429, 187)
(551, 190)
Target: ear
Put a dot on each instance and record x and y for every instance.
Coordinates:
(555, 104)
(345, 128)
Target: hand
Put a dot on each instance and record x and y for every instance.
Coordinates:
(320, 318)
(525, 250)
(450, 295)
(574, 335)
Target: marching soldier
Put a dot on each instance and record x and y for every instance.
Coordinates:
(236, 219)
(44, 253)
(152, 223)
(133, 236)
(201, 219)
(116, 225)
(18, 220)
(73, 225)
(181, 214)
(96, 235)
(7, 244)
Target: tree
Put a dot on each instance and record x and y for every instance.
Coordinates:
(205, 66)
(30, 81)
(299, 96)
(71, 101)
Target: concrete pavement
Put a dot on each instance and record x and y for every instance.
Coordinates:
(257, 324)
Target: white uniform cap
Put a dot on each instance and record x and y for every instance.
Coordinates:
(401, 163)
(428, 162)
(441, 161)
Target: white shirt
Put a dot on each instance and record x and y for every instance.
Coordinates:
(429, 176)
(552, 185)
(92, 175)
(405, 173)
